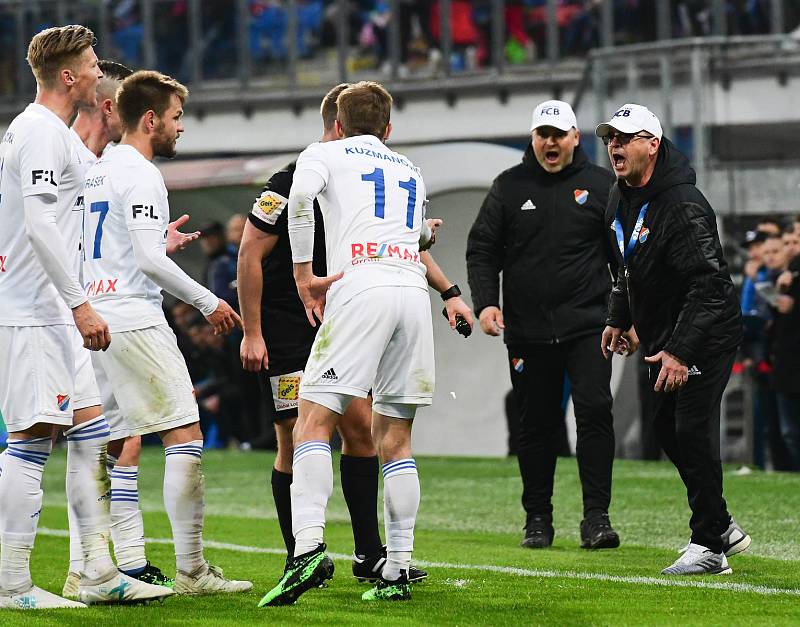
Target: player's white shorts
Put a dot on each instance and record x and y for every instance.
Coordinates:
(37, 381)
(116, 421)
(86, 391)
(149, 379)
(382, 339)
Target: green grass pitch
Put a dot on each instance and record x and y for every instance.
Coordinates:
(467, 536)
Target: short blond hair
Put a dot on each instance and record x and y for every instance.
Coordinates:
(364, 109)
(146, 90)
(55, 48)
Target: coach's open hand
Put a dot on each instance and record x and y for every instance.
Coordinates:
(674, 373)
(253, 352)
(175, 239)
(92, 327)
(224, 319)
(313, 292)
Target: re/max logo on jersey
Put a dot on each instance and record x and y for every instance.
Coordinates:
(361, 251)
(46, 176)
(103, 286)
(144, 210)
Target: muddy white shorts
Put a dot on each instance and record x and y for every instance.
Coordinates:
(382, 339)
(148, 377)
(37, 380)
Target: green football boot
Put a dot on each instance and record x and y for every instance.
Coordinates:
(302, 573)
(398, 590)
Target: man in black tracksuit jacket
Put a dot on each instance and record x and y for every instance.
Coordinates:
(673, 285)
(541, 225)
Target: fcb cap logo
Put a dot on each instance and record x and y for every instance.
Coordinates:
(555, 113)
(631, 118)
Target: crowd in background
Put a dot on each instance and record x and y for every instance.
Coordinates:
(525, 29)
(232, 413)
(770, 352)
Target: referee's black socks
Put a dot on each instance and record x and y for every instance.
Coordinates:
(282, 493)
(360, 487)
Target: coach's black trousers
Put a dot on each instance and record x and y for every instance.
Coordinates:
(687, 424)
(538, 383)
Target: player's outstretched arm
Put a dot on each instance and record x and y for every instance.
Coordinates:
(150, 256)
(255, 247)
(51, 251)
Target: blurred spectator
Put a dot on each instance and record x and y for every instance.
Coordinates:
(127, 32)
(221, 270)
(786, 344)
(757, 316)
(463, 32)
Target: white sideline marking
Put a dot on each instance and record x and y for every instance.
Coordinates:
(505, 570)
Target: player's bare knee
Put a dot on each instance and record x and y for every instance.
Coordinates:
(85, 414)
(355, 427)
(182, 435)
(315, 422)
(130, 450)
(392, 430)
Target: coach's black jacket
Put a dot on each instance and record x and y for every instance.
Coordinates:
(677, 290)
(545, 233)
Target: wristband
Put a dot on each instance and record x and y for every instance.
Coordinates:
(451, 292)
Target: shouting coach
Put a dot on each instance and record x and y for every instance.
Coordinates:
(673, 285)
(542, 226)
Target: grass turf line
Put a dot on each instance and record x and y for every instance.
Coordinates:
(470, 514)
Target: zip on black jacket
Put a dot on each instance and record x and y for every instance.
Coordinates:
(546, 233)
(676, 289)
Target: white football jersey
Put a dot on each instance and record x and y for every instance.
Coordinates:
(373, 207)
(124, 192)
(37, 157)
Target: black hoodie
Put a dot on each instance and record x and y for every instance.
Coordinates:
(545, 233)
(676, 289)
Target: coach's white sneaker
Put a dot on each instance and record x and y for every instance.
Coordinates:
(208, 579)
(70, 589)
(119, 588)
(735, 540)
(699, 560)
(35, 599)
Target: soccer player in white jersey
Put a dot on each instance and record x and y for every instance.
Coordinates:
(96, 130)
(376, 333)
(125, 269)
(41, 177)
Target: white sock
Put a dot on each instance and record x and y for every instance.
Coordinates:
(183, 500)
(400, 505)
(312, 486)
(20, 504)
(2, 462)
(127, 526)
(88, 493)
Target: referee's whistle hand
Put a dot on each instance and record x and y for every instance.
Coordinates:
(253, 352)
(224, 319)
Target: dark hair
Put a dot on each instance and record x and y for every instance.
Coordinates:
(113, 70)
(145, 91)
(328, 107)
(364, 109)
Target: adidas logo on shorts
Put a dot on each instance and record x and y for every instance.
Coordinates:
(330, 374)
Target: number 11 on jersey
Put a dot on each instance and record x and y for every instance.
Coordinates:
(410, 186)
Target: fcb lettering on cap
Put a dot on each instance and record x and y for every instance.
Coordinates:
(555, 113)
(631, 118)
